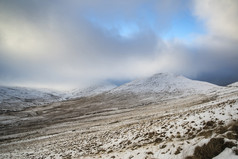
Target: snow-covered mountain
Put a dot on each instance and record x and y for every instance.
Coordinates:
(165, 82)
(17, 98)
(152, 90)
(156, 88)
(91, 91)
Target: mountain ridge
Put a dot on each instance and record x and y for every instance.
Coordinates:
(160, 86)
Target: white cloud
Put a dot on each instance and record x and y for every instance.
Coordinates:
(220, 17)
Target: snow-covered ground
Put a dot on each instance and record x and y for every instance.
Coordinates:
(195, 120)
(176, 136)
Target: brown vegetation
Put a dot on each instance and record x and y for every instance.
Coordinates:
(216, 145)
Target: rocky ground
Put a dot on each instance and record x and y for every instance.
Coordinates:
(188, 127)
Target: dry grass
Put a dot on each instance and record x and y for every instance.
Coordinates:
(206, 134)
(216, 145)
(234, 127)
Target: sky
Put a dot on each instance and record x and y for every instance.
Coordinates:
(76, 43)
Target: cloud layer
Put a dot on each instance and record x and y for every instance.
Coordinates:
(76, 43)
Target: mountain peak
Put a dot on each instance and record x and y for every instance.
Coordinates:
(165, 82)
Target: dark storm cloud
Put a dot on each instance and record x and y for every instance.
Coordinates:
(218, 65)
(74, 43)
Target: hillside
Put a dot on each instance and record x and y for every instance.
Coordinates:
(163, 116)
